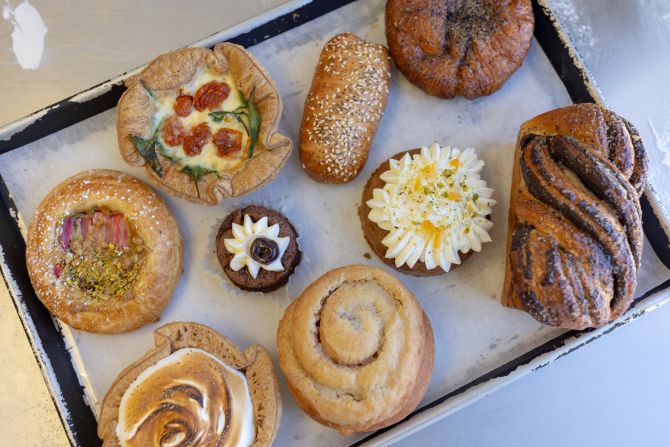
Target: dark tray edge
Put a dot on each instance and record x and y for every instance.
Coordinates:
(44, 333)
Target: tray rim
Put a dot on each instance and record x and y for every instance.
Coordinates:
(568, 64)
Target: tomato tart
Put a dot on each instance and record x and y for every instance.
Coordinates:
(204, 123)
(104, 252)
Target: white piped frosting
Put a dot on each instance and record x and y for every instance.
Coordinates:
(240, 245)
(433, 205)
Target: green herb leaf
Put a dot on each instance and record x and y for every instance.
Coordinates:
(247, 115)
(220, 114)
(196, 173)
(148, 148)
(150, 92)
(164, 152)
(254, 122)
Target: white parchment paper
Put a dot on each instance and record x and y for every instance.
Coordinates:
(474, 333)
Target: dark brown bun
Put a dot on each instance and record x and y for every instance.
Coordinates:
(265, 281)
(575, 235)
(459, 48)
(374, 234)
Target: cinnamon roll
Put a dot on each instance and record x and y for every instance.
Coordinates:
(196, 388)
(575, 225)
(104, 252)
(357, 349)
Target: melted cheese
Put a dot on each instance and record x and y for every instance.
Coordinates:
(208, 157)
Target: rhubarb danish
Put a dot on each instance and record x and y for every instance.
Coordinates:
(575, 225)
(195, 388)
(425, 211)
(357, 349)
(104, 252)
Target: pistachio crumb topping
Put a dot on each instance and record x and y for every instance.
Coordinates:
(102, 255)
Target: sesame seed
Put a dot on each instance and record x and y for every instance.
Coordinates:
(341, 118)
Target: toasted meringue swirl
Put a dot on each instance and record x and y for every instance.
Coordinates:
(189, 398)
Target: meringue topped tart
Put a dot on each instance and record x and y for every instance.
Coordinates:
(428, 205)
(194, 388)
(188, 398)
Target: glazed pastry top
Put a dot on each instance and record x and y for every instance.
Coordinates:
(433, 204)
(104, 252)
(343, 108)
(575, 235)
(256, 245)
(187, 398)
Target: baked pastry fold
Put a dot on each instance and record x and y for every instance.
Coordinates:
(575, 224)
(343, 108)
(464, 48)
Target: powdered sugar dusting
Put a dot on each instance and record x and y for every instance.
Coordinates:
(581, 31)
(662, 140)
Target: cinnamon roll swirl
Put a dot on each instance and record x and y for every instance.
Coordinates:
(194, 389)
(357, 349)
(575, 224)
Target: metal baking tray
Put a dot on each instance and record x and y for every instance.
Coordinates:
(299, 28)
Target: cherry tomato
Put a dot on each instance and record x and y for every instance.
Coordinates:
(211, 95)
(183, 105)
(228, 141)
(173, 131)
(199, 137)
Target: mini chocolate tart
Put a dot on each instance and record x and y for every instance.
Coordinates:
(425, 211)
(257, 248)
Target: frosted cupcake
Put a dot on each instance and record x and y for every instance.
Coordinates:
(426, 210)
